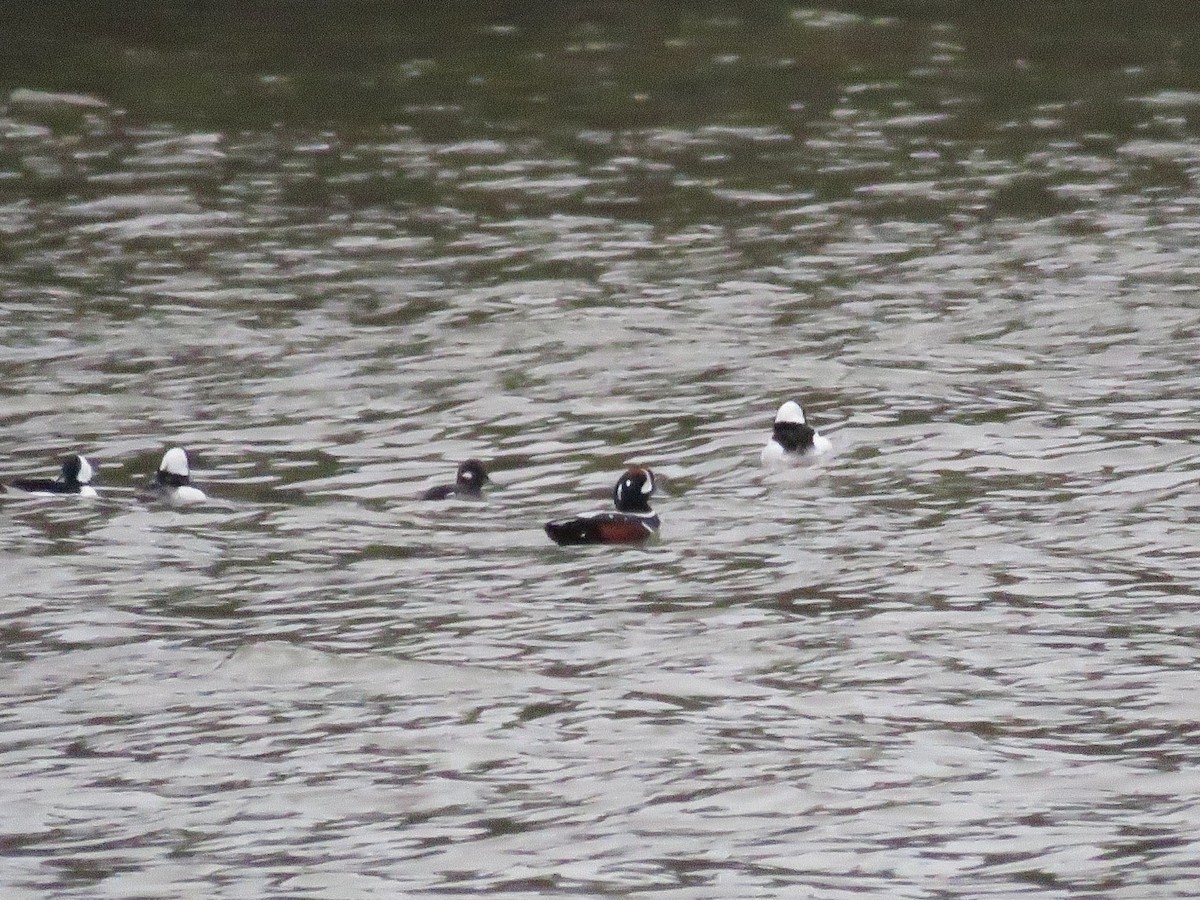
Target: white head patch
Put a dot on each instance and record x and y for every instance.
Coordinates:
(648, 485)
(85, 471)
(790, 413)
(175, 462)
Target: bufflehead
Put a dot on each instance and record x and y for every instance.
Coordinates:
(76, 474)
(633, 523)
(467, 484)
(792, 439)
(173, 481)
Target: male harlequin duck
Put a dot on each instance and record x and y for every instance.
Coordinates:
(633, 523)
(173, 481)
(76, 473)
(792, 439)
(468, 484)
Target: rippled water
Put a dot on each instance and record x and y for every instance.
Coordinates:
(956, 659)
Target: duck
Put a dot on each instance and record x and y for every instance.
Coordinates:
(468, 484)
(75, 478)
(634, 522)
(792, 439)
(173, 480)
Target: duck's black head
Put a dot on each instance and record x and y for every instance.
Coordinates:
(791, 431)
(632, 493)
(471, 477)
(795, 437)
(174, 471)
(76, 471)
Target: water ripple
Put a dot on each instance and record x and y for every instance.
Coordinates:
(958, 650)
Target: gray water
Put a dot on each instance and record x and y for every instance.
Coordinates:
(955, 659)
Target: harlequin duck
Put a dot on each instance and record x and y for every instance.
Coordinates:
(173, 482)
(632, 523)
(792, 439)
(468, 483)
(76, 473)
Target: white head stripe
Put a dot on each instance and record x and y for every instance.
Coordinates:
(175, 462)
(790, 413)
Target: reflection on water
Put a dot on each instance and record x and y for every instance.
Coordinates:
(957, 653)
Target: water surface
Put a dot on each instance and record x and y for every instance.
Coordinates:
(954, 659)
